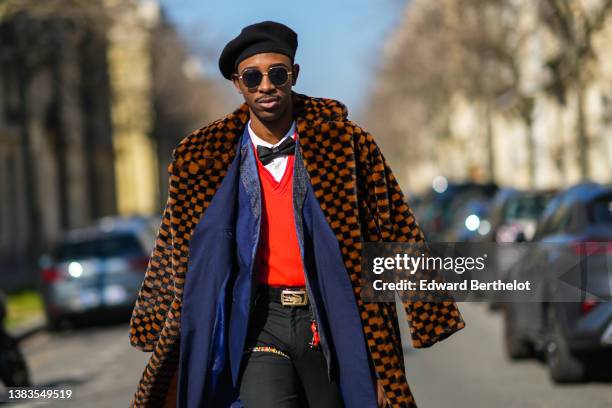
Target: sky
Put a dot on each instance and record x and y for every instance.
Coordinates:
(339, 41)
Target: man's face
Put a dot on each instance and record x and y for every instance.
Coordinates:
(267, 101)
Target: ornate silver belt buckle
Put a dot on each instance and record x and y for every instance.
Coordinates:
(294, 297)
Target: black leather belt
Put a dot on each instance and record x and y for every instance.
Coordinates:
(285, 295)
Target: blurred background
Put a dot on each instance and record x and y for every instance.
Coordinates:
(496, 117)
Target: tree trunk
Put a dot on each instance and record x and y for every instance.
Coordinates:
(34, 238)
(59, 132)
(490, 141)
(582, 133)
(526, 114)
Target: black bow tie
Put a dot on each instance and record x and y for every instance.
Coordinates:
(267, 154)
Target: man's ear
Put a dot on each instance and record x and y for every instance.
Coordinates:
(296, 72)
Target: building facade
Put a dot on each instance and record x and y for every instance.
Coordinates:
(483, 99)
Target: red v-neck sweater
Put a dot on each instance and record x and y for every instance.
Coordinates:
(278, 257)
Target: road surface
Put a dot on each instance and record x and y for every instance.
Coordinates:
(467, 370)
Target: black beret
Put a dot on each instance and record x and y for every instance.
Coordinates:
(267, 36)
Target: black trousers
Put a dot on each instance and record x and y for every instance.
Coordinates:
(286, 372)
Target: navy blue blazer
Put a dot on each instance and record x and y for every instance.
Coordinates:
(219, 289)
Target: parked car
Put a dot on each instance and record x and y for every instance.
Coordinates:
(514, 214)
(470, 222)
(513, 218)
(577, 224)
(97, 269)
(438, 209)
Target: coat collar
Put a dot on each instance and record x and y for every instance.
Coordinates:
(214, 146)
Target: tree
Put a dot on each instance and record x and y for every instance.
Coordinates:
(574, 24)
(410, 96)
(33, 35)
(183, 98)
(443, 49)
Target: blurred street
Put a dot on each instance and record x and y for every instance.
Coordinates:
(472, 370)
(96, 363)
(494, 116)
(102, 370)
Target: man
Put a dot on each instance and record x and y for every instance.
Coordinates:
(252, 294)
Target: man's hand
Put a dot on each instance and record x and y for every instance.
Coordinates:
(380, 394)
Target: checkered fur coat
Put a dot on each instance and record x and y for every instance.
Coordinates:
(362, 202)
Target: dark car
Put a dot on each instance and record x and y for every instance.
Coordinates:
(470, 222)
(97, 269)
(512, 218)
(575, 229)
(514, 214)
(439, 208)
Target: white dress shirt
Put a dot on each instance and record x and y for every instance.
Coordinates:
(278, 165)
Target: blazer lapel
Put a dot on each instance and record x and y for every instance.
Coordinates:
(248, 174)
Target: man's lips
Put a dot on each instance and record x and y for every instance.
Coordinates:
(267, 102)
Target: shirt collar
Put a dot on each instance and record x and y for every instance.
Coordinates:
(257, 141)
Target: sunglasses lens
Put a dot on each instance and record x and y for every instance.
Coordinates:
(278, 76)
(251, 78)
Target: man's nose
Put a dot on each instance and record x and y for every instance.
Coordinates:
(266, 85)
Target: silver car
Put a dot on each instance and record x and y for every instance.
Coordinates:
(96, 270)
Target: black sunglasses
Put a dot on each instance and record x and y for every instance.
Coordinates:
(251, 78)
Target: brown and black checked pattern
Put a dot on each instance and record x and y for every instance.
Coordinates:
(361, 201)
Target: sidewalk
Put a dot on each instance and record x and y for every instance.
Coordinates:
(28, 328)
(25, 314)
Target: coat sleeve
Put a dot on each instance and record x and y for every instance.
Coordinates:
(157, 290)
(429, 322)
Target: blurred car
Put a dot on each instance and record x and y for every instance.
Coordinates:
(513, 218)
(438, 208)
(470, 222)
(97, 269)
(514, 214)
(576, 225)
